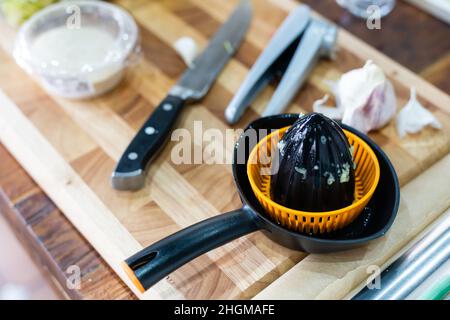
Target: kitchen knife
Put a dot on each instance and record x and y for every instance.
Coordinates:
(193, 85)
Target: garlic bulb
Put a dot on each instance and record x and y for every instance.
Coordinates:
(187, 49)
(414, 117)
(365, 99)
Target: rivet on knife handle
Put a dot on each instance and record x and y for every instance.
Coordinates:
(130, 171)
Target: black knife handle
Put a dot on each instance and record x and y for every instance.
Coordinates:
(130, 171)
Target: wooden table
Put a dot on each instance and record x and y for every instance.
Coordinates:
(413, 38)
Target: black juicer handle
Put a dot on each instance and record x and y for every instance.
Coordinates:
(155, 262)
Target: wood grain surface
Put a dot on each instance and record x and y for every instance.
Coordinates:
(409, 35)
(51, 239)
(82, 140)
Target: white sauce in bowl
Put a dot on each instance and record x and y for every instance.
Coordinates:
(75, 50)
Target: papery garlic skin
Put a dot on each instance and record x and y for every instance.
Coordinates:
(355, 86)
(186, 47)
(365, 99)
(329, 111)
(414, 117)
(376, 112)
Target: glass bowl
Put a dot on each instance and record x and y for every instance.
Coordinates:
(78, 49)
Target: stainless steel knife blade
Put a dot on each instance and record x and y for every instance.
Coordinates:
(196, 81)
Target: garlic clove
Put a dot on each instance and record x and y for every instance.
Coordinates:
(375, 112)
(414, 117)
(186, 47)
(328, 111)
(356, 86)
(365, 99)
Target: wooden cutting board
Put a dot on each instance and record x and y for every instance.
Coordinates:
(70, 147)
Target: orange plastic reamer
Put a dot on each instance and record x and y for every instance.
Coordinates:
(367, 175)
